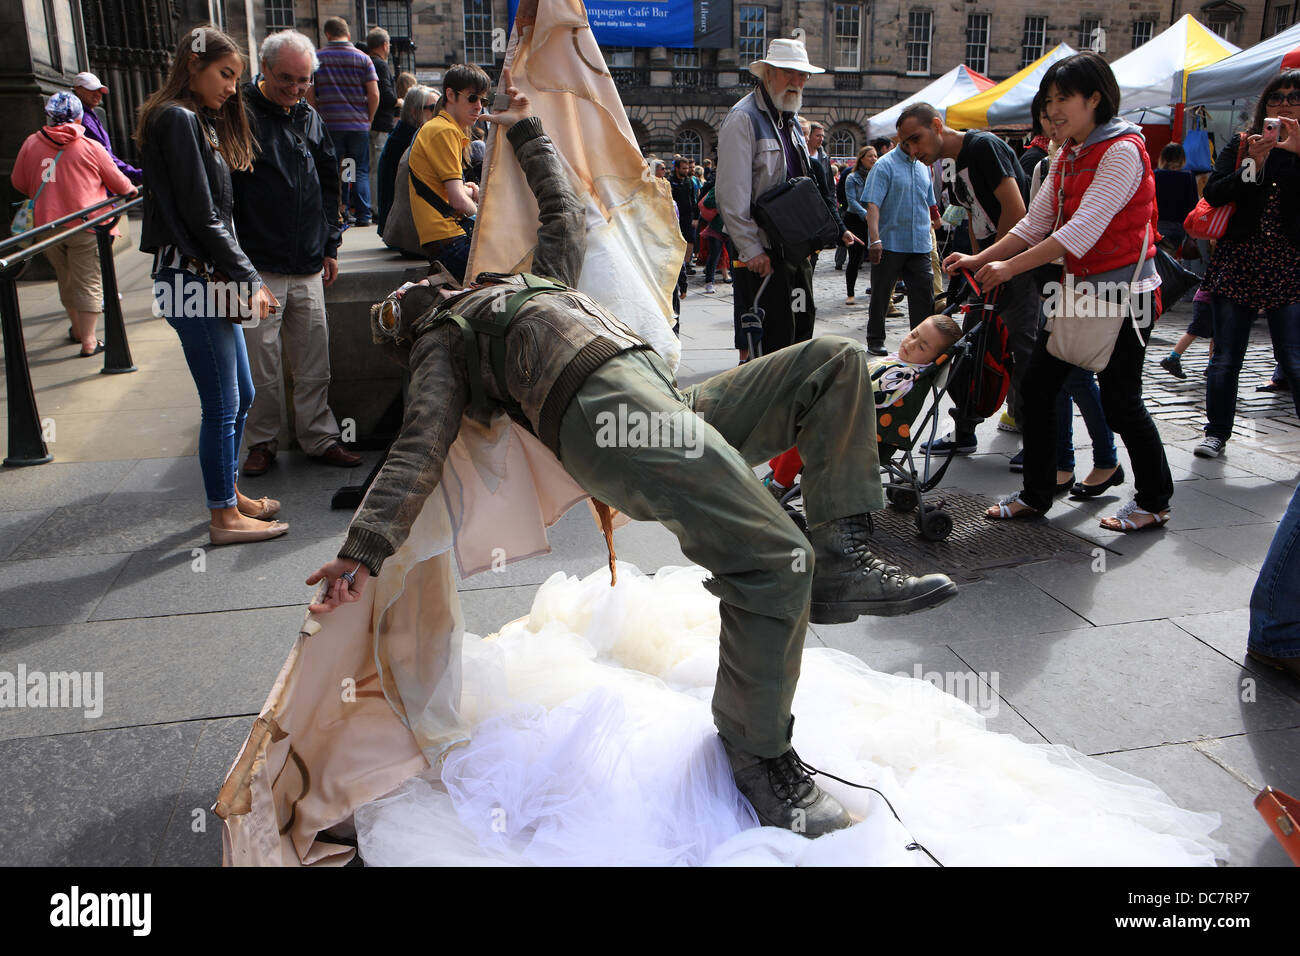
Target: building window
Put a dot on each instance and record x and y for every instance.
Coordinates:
(1281, 18)
(686, 59)
(1088, 35)
(1143, 31)
(619, 57)
(842, 146)
(848, 36)
(1219, 27)
(689, 145)
(478, 33)
(1031, 47)
(918, 41)
(752, 38)
(977, 42)
(279, 15)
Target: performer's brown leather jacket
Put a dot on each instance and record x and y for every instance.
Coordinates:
(555, 341)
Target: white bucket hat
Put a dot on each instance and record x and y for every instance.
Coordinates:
(786, 55)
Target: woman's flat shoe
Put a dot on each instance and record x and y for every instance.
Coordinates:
(1063, 486)
(269, 508)
(1002, 510)
(99, 347)
(219, 536)
(1123, 520)
(1081, 490)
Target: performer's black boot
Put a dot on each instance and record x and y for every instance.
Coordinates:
(848, 580)
(783, 794)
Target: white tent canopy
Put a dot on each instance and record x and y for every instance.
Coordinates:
(959, 83)
(1244, 75)
(1151, 75)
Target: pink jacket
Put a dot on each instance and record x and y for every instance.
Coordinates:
(84, 171)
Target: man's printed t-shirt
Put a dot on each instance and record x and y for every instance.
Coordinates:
(437, 155)
(983, 162)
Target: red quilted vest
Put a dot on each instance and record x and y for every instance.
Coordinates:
(1120, 245)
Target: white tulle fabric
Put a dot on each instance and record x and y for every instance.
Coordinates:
(593, 744)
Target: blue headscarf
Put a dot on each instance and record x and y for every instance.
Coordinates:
(63, 107)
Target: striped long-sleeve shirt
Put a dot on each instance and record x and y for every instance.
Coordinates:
(1119, 174)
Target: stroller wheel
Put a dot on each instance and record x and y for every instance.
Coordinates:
(902, 498)
(934, 524)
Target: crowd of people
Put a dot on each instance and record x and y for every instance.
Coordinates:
(331, 129)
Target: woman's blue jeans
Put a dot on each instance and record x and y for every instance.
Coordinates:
(1081, 386)
(1232, 323)
(1275, 602)
(214, 350)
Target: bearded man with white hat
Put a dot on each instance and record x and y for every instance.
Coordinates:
(91, 91)
(761, 146)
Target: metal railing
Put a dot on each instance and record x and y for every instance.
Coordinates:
(26, 439)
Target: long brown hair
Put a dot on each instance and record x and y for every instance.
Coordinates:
(204, 44)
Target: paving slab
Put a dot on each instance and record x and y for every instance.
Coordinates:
(1113, 688)
(59, 483)
(15, 526)
(102, 798)
(1194, 781)
(193, 834)
(265, 574)
(155, 670)
(56, 590)
(1155, 576)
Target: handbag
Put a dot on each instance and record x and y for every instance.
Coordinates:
(1211, 222)
(25, 215)
(1175, 281)
(796, 220)
(1198, 144)
(1281, 812)
(1084, 326)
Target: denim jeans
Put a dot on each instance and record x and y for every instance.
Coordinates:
(1275, 602)
(714, 245)
(1232, 323)
(214, 350)
(355, 145)
(1081, 386)
(453, 255)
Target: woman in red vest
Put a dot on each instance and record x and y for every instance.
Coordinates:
(1096, 215)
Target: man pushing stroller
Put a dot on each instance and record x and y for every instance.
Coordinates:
(561, 364)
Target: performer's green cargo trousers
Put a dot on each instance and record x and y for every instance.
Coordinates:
(691, 468)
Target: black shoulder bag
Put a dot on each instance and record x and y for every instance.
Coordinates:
(437, 202)
(796, 220)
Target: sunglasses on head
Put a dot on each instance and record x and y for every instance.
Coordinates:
(1277, 98)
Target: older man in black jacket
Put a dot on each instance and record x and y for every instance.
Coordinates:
(287, 216)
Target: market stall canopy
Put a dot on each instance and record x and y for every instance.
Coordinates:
(1009, 102)
(959, 83)
(1153, 75)
(1244, 75)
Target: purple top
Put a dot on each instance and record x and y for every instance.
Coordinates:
(341, 86)
(95, 130)
(784, 132)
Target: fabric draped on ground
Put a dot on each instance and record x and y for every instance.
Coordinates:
(592, 742)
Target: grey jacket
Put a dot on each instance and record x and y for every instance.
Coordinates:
(554, 342)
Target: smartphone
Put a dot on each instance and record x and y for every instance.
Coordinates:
(1272, 125)
(501, 103)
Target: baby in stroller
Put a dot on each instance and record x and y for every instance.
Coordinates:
(892, 376)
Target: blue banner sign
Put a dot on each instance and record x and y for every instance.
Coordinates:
(668, 23)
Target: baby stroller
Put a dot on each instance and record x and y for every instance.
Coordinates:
(975, 372)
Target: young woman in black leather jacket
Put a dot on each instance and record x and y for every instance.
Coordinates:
(192, 132)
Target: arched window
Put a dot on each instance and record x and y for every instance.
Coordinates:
(690, 145)
(842, 146)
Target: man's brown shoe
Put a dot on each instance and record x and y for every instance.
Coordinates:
(1288, 665)
(258, 461)
(339, 456)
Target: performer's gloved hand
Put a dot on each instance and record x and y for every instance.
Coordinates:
(338, 590)
(517, 110)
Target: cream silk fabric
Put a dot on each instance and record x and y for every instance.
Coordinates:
(370, 693)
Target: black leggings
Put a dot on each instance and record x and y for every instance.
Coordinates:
(856, 226)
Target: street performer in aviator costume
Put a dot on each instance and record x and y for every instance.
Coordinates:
(561, 364)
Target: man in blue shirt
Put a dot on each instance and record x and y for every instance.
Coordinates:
(900, 202)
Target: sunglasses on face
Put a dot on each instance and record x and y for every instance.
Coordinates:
(474, 97)
(1278, 98)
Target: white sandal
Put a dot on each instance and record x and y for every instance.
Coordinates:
(1123, 518)
(1006, 514)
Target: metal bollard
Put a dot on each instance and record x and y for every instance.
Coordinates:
(117, 351)
(26, 442)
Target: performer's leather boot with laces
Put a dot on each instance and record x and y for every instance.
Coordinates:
(848, 580)
(783, 794)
